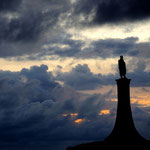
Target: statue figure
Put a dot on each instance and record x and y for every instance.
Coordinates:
(122, 67)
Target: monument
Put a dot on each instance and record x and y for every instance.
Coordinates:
(124, 129)
(124, 132)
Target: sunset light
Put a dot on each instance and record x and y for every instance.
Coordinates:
(104, 112)
(73, 114)
(78, 121)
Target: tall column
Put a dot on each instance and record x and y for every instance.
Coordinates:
(124, 129)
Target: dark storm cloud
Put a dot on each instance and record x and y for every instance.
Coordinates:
(27, 85)
(31, 116)
(115, 47)
(31, 19)
(114, 11)
(27, 26)
(32, 105)
(112, 48)
(7, 5)
(74, 47)
(103, 48)
(120, 10)
(140, 76)
(32, 25)
(23, 31)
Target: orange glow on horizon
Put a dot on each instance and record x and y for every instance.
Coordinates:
(73, 114)
(78, 121)
(104, 112)
(114, 100)
(139, 100)
(144, 103)
(65, 115)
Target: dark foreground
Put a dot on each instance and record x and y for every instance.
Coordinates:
(101, 145)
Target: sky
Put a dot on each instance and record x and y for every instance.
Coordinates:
(58, 65)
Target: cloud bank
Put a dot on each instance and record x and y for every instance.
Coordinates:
(36, 110)
(81, 77)
(31, 113)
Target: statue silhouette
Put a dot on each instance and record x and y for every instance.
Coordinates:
(124, 129)
(122, 67)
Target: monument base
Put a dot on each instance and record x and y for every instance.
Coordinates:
(124, 129)
(124, 134)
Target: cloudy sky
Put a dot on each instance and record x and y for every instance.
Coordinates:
(58, 65)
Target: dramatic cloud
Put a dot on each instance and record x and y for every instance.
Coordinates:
(103, 48)
(120, 11)
(35, 110)
(112, 48)
(32, 115)
(81, 77)
(45, 34)
(24, 30)
(6, 5)
(112, 11)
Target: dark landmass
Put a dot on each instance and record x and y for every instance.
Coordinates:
(102, 145)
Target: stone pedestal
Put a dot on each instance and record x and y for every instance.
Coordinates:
(124, 134)
(124, 129)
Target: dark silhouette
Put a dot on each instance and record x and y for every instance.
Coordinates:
(124, 129)
(124, 133)
(122, 67)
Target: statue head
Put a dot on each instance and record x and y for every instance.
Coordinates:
(121, 57)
